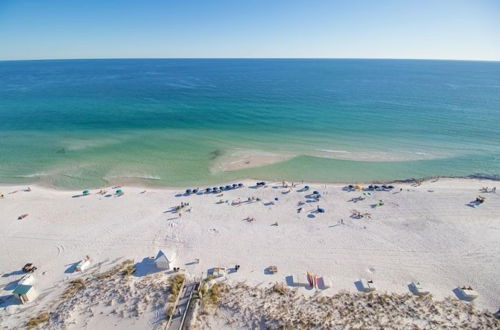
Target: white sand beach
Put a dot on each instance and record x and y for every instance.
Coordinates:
(422, 232)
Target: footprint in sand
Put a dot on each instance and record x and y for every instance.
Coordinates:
(60, 249)
(371, 270)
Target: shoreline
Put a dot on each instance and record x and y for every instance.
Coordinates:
(141, 183)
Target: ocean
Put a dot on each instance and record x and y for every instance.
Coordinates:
(186, 122)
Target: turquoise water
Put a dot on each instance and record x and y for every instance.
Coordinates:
(87, 123)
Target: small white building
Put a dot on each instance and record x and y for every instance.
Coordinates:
(164, 261)
(83, 264)
(367, 285)
(25, 293)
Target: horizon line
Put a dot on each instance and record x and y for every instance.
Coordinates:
(250, 58)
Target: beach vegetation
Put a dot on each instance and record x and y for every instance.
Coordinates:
(176, 283)
(212, 294)
(38, 320)
(73, 287)
(280, 288)
(125, 268)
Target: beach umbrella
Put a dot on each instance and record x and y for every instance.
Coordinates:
(195, 191)
(208, 190)
(320, 210)
(188, 191)
(119, 191)
(240, 185)
(228, 187)
(234, 185)
(276, 198)
(306, 187)
(85, 192)
(221, 188)
(315, 192)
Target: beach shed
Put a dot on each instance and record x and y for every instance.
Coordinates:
(25, 293)
(83, 264)
(164, 260)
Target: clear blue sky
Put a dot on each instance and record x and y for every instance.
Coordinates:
(441, 29)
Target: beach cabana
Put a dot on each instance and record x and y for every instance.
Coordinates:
(27, 279)
(164, 260)
(367, 285)
(25, 293)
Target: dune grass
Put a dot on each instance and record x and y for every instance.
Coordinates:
(73, 287)
(38, 320)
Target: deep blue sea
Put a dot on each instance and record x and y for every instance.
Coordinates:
(186, 122)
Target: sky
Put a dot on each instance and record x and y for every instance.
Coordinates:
(419, 29)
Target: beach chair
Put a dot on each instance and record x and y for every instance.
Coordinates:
(367, 285)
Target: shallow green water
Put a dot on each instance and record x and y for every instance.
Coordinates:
(170, 122)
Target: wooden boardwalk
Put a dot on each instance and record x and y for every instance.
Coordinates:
(182, 307)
